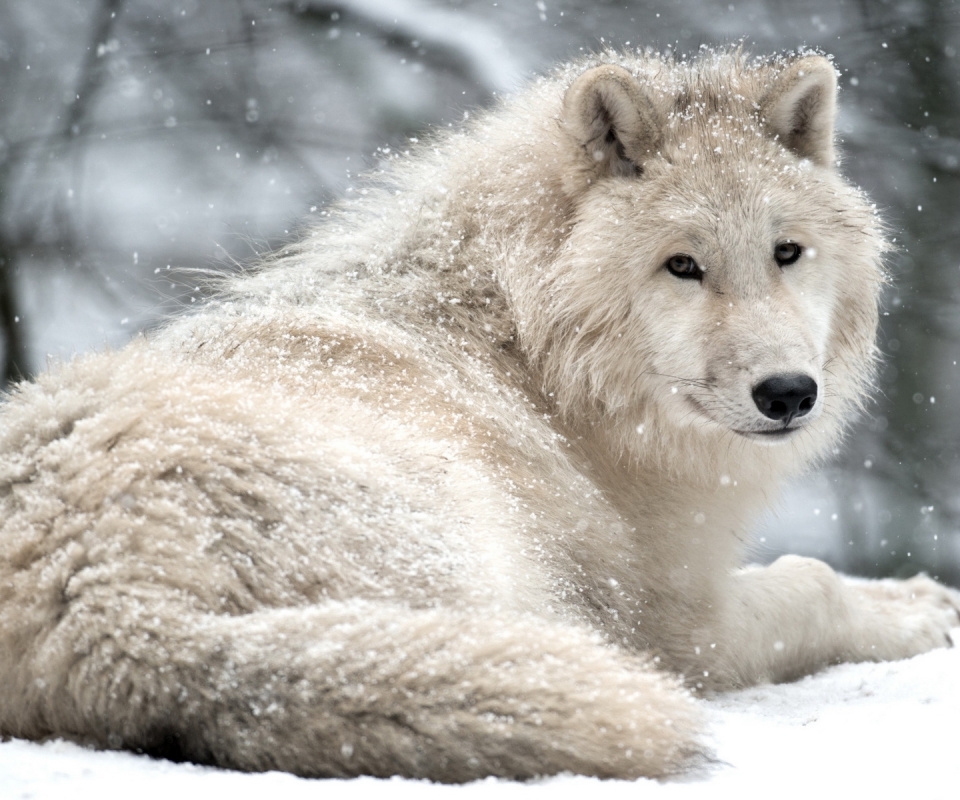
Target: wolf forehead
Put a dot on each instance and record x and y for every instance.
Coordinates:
(713, 129)
(743, 146)
(790, 98)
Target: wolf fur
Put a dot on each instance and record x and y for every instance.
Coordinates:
(461, 485)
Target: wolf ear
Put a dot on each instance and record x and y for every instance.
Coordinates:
(612, 122)
(801, 106)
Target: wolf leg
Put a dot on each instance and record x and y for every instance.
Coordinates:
(358, 688)
(798, 615)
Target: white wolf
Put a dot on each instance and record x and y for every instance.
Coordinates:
(460, 485)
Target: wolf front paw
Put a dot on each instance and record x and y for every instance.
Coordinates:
(898, 619)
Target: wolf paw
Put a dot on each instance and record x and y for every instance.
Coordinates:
(899, 619)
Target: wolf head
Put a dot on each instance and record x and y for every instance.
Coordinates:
(719, 278)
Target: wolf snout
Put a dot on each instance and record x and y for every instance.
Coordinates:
(785, 398)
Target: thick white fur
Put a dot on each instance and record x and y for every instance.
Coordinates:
(432, 493)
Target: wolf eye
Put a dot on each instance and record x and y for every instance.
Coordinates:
(787, 253)
(684, 267)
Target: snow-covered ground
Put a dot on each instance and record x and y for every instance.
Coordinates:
(858, 730)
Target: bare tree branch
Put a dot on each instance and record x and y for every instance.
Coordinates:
(9, 321)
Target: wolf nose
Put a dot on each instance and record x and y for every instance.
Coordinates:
(785, 397)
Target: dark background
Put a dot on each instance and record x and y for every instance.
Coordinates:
(141, 137)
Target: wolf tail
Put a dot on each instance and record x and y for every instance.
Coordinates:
(361, 688)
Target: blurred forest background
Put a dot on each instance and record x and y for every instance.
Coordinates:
(138, 137)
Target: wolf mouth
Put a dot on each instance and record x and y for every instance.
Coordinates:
(779, 433)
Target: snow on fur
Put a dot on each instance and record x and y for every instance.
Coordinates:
(459, 486)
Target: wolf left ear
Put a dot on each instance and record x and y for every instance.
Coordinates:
(612, 121)
(801, 107)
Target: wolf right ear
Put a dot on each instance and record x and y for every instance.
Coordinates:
(612, 122)
(801, 107)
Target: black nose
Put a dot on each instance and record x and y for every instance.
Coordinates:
(785, 397)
